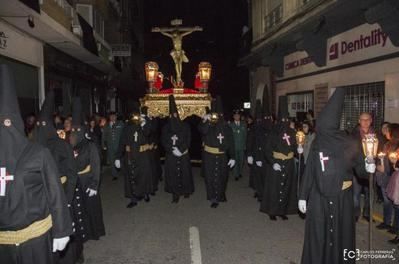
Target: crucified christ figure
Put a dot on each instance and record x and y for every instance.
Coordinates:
(176, 34)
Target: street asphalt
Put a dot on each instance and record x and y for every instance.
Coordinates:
(236, 232)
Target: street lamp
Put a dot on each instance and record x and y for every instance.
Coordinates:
(370, 146)
(205, 73)
(151, 73)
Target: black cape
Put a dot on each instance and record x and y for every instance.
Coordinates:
(88, 164)
(280, 189)
(178, 175)
(136, 165)
(214, 166)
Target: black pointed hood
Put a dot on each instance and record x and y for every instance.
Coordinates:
(283, 107)
(172, 105)
(77, 137)
(265, 102)
(213, 106)
(46, 113)
(12, 136)
(258, 110)
(44, 129)
(144, 110)
(135, 108)
(328, 121)
(175, 122)
(9, 107)
(219, 105)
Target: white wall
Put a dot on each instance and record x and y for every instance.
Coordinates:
(387, 71)
(23, 48)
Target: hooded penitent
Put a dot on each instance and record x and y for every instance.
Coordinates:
(175, 121)
(45, 129)
(328, 122)
(258, 110)
(12, 136)
(283, 108)
(283, 115)
(78, 129)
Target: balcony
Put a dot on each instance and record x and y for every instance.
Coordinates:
(274, 18)
(59, 10)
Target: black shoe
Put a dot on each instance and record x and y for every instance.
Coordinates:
(392, 230)
(114, 178)
(394, 241)
(81, 259)
(255, 195)
(284, 217)
(186, 196)
(383, 226)
(240, 176)
(131, 205)
(214, 205)
(273, 217)
(236, 178)
(223, 199)
(175, 198)
(146, 198)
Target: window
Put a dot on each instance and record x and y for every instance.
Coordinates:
(274, 17)
(99, 23)
(86, 11)
(299, 104)
(360, 98)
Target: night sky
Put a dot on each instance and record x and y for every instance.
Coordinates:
(219, 43)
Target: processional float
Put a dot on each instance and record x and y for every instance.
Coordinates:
(189, 101)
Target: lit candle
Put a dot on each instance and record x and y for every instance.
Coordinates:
(381, 156)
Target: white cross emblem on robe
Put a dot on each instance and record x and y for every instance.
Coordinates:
(3, 181)
(220, 137)
(174, 139)
(287, 138)
(322, 159)
(135, 136)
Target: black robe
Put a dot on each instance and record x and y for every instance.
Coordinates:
(330, 221)
(280, 191)
(62, 153)
(88, 165)
(178, 175)
(260, 134)
(137, 165)
(214, 166)
(153, 139)
(33, 194)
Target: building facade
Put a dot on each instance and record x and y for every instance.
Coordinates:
(305, 49)
(63, 44)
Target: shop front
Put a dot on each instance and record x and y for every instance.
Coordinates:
(363, 60)
(24, 56)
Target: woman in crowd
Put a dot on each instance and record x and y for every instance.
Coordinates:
(385, 169)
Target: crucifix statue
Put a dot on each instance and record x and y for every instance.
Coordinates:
(176, 33)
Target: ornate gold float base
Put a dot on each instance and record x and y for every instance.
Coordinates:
(187, 104)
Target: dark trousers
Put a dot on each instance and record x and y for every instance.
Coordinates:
(360, 186)
(388, 208)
